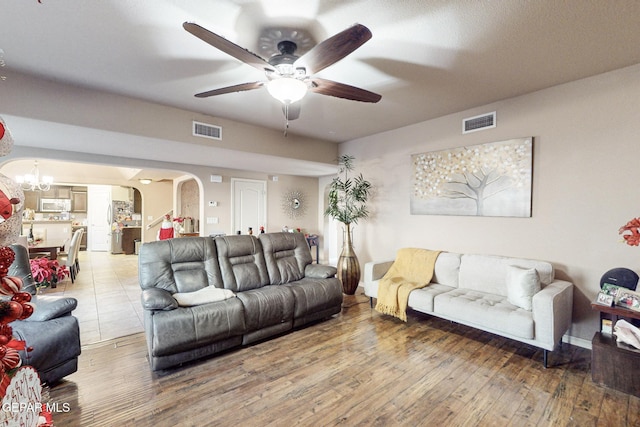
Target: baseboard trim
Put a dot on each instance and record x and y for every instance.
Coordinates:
(580, 342)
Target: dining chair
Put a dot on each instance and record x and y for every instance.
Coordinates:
(80, 232)
(68, 257)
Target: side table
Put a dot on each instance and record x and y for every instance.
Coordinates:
(314, 240)
(613, 366)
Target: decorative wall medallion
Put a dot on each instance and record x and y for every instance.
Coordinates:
(294, 204)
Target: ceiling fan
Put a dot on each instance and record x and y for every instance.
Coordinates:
(288, 76)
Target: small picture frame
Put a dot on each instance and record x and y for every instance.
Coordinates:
(605, 299)
(628, 299)
(610, 289)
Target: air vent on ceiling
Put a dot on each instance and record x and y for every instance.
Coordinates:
(207, 131)
(484, 121)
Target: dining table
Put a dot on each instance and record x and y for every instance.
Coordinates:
(47, 246)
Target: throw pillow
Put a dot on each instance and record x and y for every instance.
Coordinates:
(522, 285)
(202, 296)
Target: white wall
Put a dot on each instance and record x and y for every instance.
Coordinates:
(43, 113)
(586, 183)
(103, 128)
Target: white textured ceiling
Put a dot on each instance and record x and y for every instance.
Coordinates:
(427, 58)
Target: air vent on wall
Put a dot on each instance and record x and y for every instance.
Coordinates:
(484, 121)
(207, 131)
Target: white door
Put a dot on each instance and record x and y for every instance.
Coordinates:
(249, 201)
(99, 218)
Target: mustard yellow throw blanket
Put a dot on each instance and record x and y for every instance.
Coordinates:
(412, 269)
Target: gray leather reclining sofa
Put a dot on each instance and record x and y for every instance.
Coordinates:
(276, 287)
(51, 330)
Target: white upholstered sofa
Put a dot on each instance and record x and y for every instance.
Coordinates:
(492, 293)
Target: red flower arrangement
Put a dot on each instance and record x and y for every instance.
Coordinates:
(47, 272)
(632, 226)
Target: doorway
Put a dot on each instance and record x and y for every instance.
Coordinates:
(98, 216)
(249, 204)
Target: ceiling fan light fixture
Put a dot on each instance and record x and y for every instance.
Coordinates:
(287, 89)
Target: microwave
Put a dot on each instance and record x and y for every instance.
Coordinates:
(55, 205)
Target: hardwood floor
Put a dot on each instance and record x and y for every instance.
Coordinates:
(358, 368)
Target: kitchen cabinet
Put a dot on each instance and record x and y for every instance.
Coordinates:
(77, 195)
(31, 200)
(78, 201)
(129, 236)
(56, 192)
(137, 201)
(63, 193)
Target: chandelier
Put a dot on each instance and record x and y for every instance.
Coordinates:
(32, 181)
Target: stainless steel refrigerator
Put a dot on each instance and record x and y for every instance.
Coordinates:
(121, 211)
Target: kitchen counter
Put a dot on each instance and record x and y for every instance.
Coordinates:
(46, 221)
(48, 229)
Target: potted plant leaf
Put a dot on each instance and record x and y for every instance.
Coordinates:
(348, 204)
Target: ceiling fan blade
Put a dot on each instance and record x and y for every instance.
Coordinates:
(229, 89)
(291, 111)
(334, 49)
(341, 90)
(228, 47)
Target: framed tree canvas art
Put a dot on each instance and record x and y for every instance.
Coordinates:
(492, 179)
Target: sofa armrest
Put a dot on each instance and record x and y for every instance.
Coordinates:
(552, 312)
(157, 299)
(51, 307)
(317, 271)
(375, 270)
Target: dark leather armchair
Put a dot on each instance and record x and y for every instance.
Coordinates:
(51, 330)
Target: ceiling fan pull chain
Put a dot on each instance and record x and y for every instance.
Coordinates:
(286, 119)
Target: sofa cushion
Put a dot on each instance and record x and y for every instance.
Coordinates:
(267, 306)
(485, 311)
(186, 328)
(447, 269)
(179, 265)
(315, 295)
(522, 285)
(488, 273)
(241, 262)
(202, 296)
(422, 299)
(286, 256)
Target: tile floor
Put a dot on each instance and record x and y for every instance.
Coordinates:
(108, 296)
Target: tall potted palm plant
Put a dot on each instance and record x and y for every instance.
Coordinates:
(348, 204)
